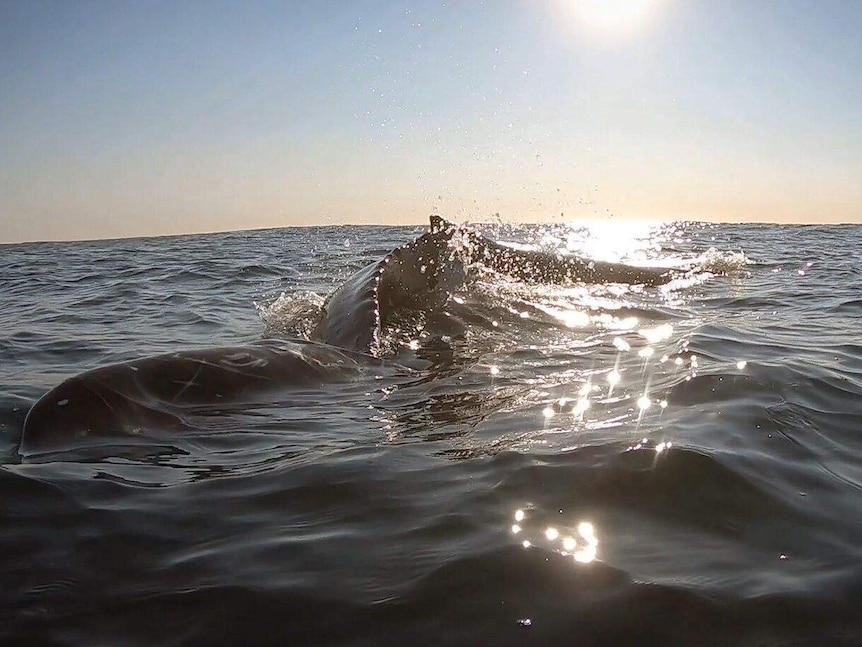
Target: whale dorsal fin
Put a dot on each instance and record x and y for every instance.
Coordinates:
(439, 223)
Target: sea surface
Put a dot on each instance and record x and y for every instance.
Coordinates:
(529, 465)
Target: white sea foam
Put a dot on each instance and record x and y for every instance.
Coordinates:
(293, 314)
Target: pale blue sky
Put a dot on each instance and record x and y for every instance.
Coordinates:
(138, 118)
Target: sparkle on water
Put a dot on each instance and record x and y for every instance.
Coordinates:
(579, 542)
(592, 308)
(652, 345)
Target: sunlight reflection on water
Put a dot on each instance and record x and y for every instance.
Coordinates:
(578, 541)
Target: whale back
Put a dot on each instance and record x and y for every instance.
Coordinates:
(164, 392)
(420, 276)
(417, 276)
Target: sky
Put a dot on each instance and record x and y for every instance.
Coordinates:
(129, 118)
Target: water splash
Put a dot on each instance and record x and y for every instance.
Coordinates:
(291, 315)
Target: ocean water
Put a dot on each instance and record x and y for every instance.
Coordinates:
(530, 464)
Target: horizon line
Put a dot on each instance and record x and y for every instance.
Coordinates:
(187, 234)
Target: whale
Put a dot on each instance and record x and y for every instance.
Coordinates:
(420, 276)
(129, 400)
(536, 266)
(165, 393)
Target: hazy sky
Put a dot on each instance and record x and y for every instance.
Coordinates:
(144, 117)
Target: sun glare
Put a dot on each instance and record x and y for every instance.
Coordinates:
(615, 240)
(612, 16)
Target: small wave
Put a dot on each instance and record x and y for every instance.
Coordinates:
(702, 389)
(258, 270)
(850, 306)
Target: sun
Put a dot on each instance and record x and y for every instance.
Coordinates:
(612, 16)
